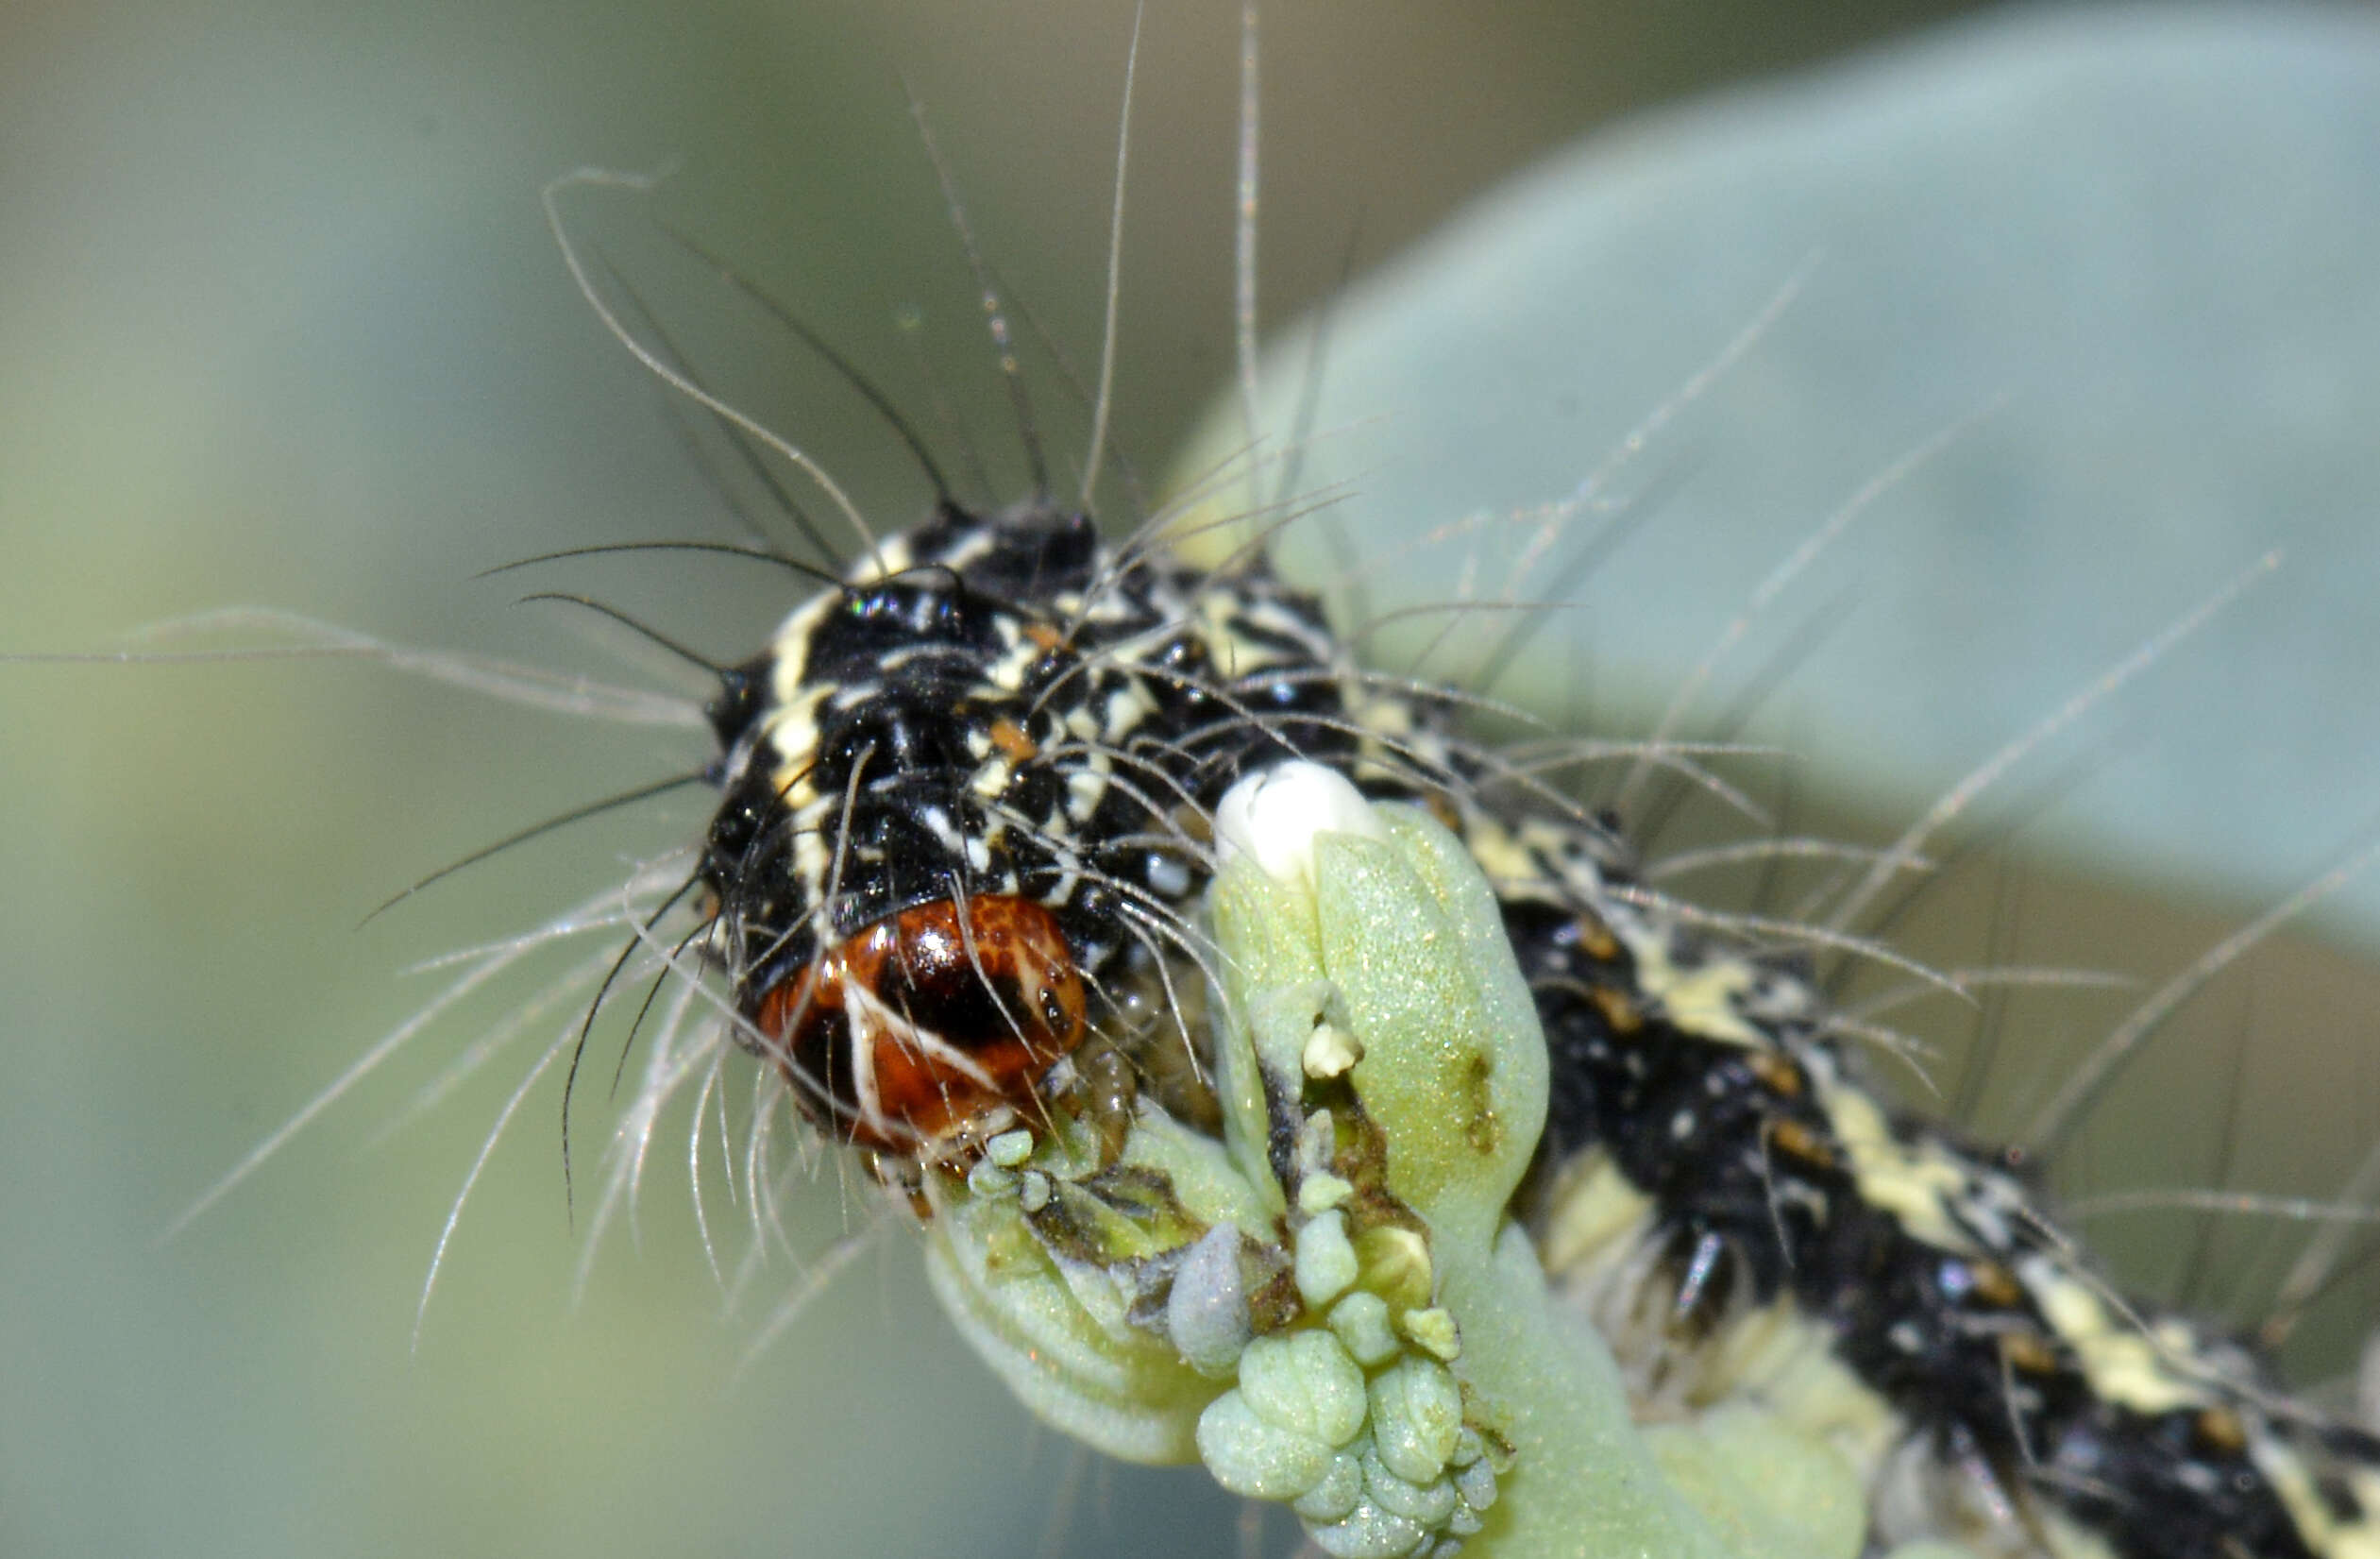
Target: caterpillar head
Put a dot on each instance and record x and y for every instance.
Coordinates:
(967, 797)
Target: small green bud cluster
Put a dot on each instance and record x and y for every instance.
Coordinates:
(1328, 1304)
(1379, 1468)
(1351, 1415)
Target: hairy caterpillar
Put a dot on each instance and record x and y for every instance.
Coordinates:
(400, 870)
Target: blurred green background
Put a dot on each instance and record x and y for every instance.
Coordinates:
(281, 326)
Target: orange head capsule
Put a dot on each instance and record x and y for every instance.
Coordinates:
(927, 1027)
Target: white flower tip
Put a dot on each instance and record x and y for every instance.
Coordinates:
(1274, 815)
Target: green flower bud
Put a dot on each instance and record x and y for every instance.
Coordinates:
(1426, 1505)
(1255, 1458)
(1390, 937)
(1326, 1261)
(1206, 1312)
(1416, 1415)
(1369, 1533)
(1304, 1381)
(1360, 1322)
(1335, 1495)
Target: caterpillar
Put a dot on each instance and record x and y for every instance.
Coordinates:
(838, 1119)
(925, 953)
(960, 833)
(972, 791)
